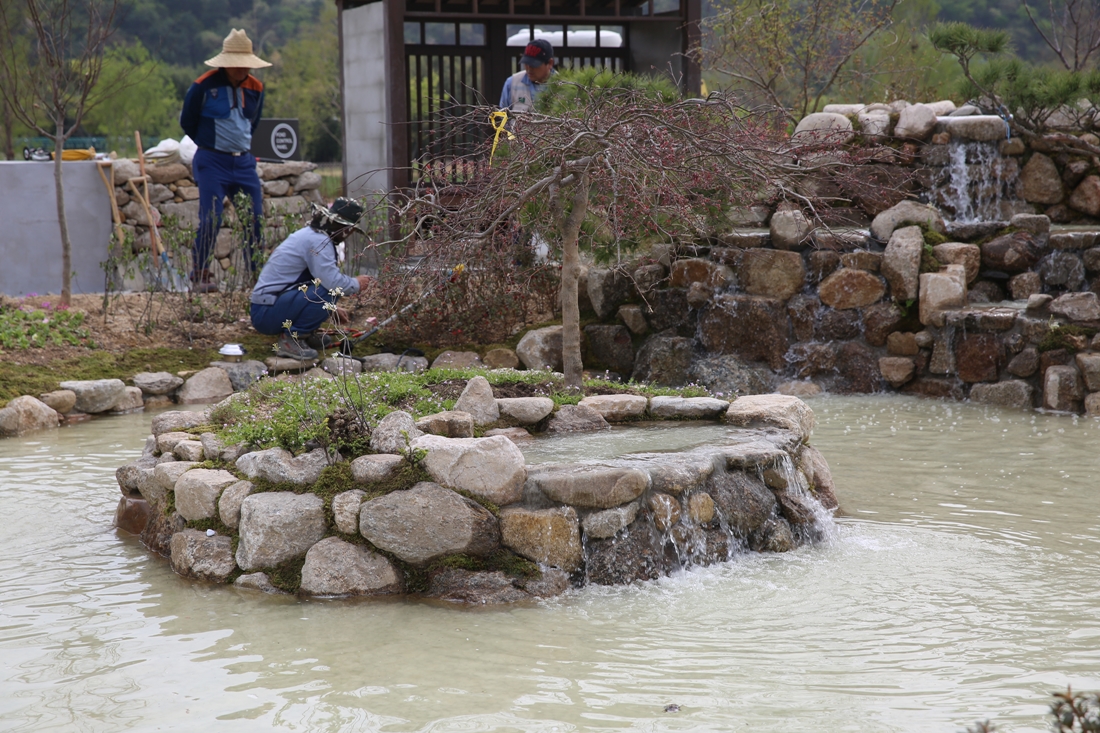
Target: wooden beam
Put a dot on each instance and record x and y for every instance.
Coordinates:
(396, 93)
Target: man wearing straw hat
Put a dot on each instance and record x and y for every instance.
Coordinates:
(220, 113)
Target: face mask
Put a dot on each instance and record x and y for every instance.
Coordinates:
(340, 253)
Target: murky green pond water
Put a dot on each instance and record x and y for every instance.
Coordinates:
(962, 586)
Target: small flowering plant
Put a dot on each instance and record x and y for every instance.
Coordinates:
(28, 324)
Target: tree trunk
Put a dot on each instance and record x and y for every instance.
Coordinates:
(570, 274)
(63, 222)
(8, 122)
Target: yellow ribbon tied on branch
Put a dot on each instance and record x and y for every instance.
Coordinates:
(499, 119)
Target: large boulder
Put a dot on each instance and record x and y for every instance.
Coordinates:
(790, 230)
(26, 414)
(490, 468)
(525, 410)
(132, 514)
(1010, 393)
(62, 400)
(243, 374)
(901, 262)
(957, 253)
(345, 510)
(1062, 389)
(1011, 253)
(1077, 306)
(771, 273)
(427, 522)
(940, 291)
(915, 122)
(541, 349)
(979, 357)
(95, 395)
(393, 433)
(477, 399)
(1089, 364)
(589, 486)
(980, 128)
(449, 424)
(197, 492)
(607, 290)
(278, 526)
(155, 485)
(206, 385)
(394, 363)
(906, 213)
(610, 347)
(664, 359)
(157, 383)
(455, 585)
(576, 419)
(177, 420)
(617, 407)
(1040, 182)
(1063, 270)
(376, 467)
(229, 504)
(1086, 197)
(849, 288)
(821, 127)
(772, 410)
(548, 536)
(752, 327)
(725, 375)
(609, 522)
(334, 567)
(874, 122)
(196, 555)
(279, 465)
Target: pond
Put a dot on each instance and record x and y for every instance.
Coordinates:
(960, 587)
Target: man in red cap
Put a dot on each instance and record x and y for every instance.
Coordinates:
(520, 89)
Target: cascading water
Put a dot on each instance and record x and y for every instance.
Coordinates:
(977, 182)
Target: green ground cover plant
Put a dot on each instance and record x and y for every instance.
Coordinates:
(294, 415)
(26, 325)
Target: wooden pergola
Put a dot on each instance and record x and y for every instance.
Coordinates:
(407, 64)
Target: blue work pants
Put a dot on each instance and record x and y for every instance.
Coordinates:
(219, 175)
(305, 310)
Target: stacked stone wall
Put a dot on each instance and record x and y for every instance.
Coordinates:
(430, 506)
(288, 187)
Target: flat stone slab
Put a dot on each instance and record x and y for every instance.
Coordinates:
(772, 410)
(687, 408)
(617, 407)
(588, 485)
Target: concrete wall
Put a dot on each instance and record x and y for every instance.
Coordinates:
(30, 239)
(366, 147)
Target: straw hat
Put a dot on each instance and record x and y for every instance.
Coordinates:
(237, 53)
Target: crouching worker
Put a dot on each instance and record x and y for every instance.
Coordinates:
(301, 282)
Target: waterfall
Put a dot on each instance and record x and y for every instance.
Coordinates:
(976, 182)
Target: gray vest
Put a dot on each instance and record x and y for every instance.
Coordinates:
(522, 89)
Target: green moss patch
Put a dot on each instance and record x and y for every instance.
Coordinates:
(1070, 337)
(287, 576)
